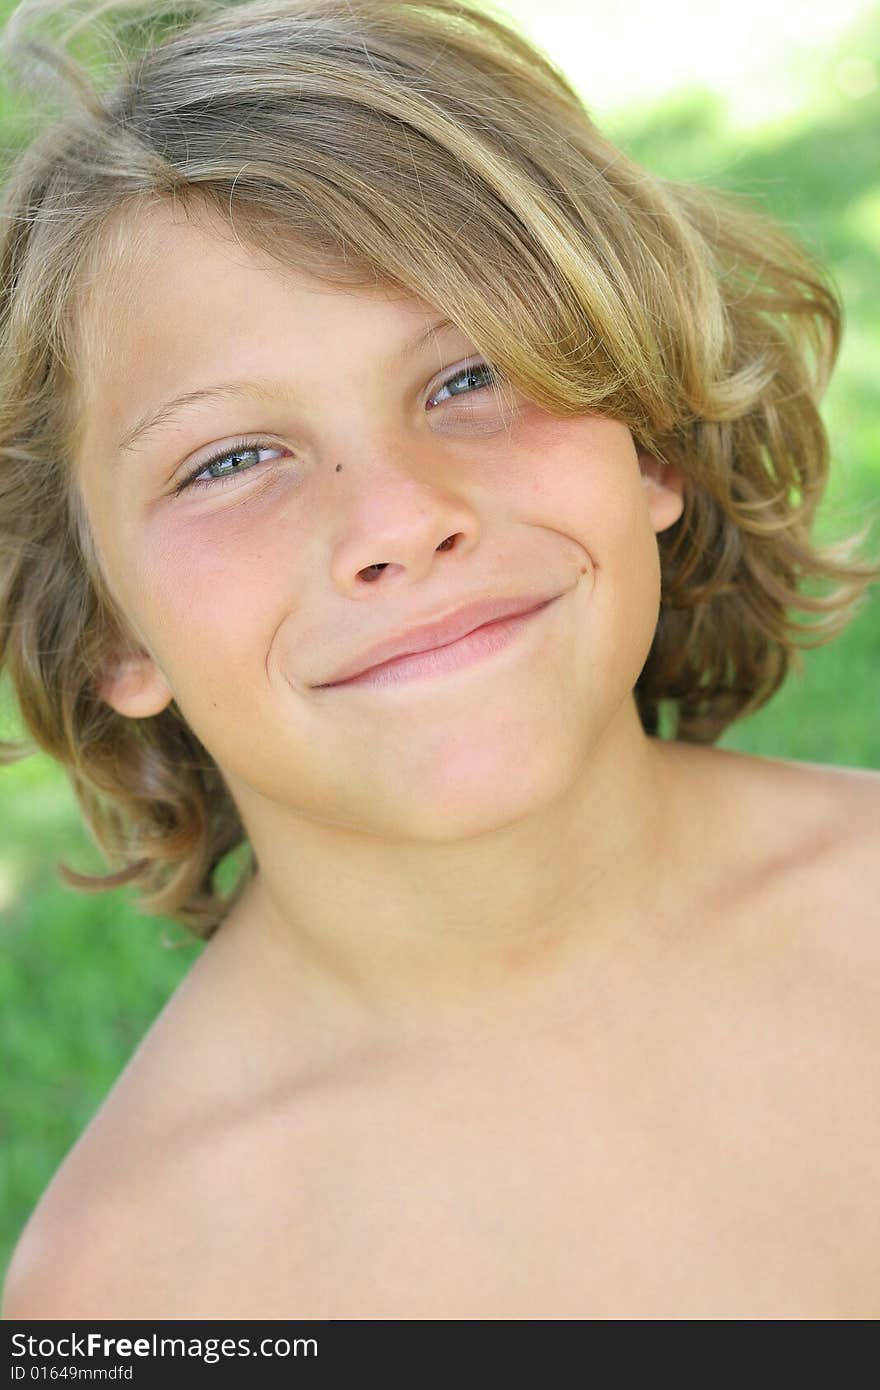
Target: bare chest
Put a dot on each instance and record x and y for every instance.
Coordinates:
(703, 1143)
(724, 1173)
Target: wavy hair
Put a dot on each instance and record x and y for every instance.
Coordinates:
(405, 143)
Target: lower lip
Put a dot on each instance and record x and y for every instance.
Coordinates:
(475, 646)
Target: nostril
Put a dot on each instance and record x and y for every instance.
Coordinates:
(371, 572)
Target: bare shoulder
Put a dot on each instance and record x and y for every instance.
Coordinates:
(127, 1233)
(79, 1254)
(170, 1185)
(792, 851)
(841, 888)
(81, 1251)
(781, 813)
(851, 794)
(835, 820)
(147, 1209)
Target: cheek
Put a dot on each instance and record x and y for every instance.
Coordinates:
(206, 591)
(582, 479)
(587, 485)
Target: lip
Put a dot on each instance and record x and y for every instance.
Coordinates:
(428, 637)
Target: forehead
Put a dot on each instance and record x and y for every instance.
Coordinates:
(170, 275)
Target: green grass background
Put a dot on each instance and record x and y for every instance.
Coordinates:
(82, 977)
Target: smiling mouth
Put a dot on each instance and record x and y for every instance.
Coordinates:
(478, 644)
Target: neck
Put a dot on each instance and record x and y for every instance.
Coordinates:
(403, 940)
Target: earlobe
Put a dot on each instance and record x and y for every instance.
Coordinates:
(134, 686)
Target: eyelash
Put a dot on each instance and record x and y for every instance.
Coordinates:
(248, 446)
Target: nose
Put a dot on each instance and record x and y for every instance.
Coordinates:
(372, 572)
(397, 525)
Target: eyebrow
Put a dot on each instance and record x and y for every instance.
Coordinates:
(253, 388)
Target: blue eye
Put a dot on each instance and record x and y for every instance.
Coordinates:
(460, 383)
(469, 375)
(240, 450)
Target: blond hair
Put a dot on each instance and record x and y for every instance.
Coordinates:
(410, 143)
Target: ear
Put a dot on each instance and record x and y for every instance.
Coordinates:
(134, 686)
(664, 490)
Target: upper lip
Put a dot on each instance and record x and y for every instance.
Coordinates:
(438, 633)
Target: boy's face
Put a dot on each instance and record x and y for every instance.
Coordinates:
(249, 594)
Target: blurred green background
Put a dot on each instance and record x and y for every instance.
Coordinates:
(785, 108)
